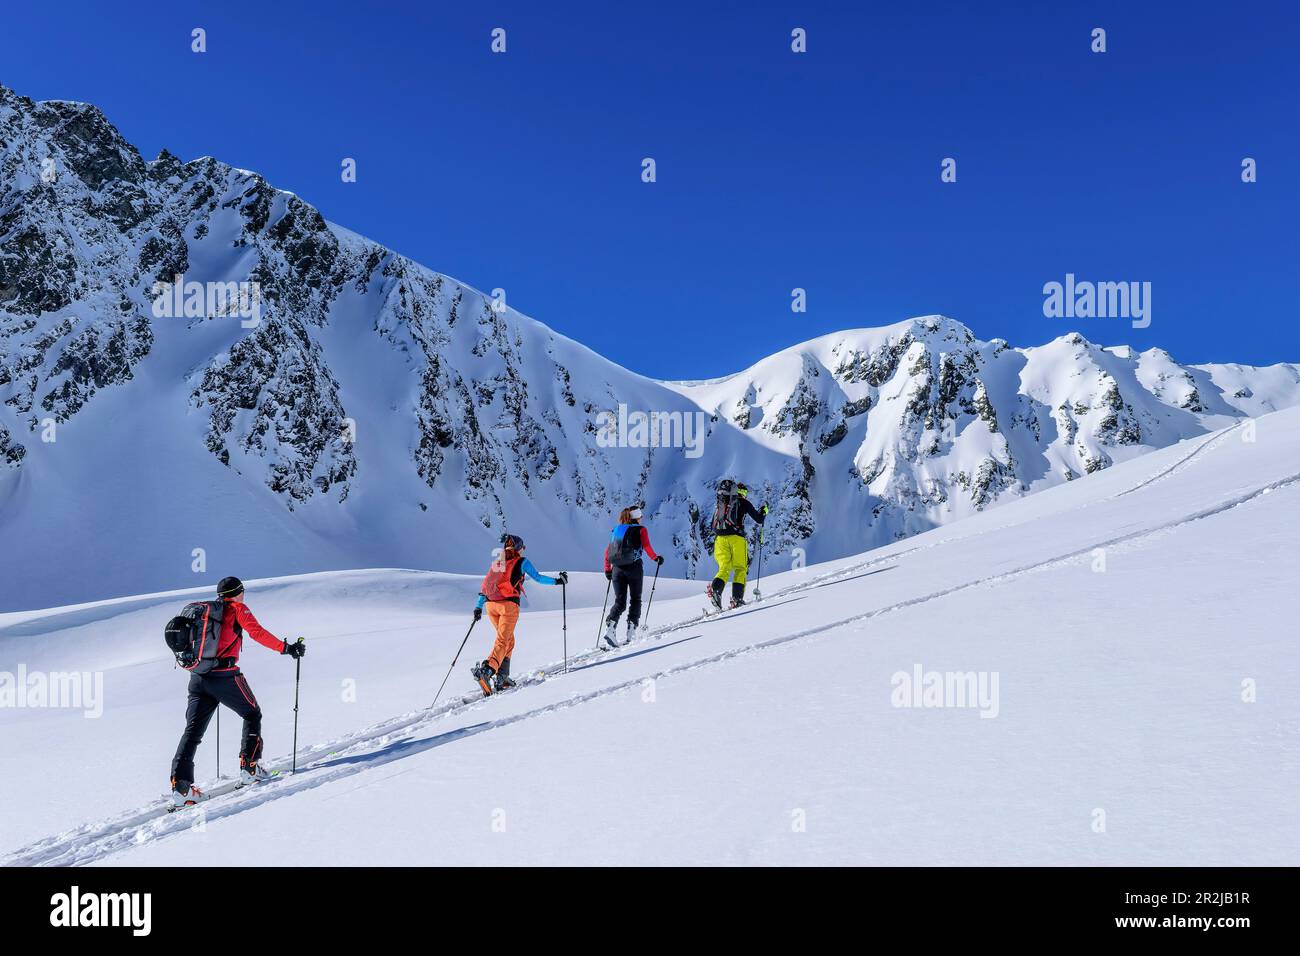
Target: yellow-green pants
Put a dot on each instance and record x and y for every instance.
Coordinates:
(731, 551)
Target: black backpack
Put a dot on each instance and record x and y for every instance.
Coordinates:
(193, 635)
(726, 510)
(625, 549)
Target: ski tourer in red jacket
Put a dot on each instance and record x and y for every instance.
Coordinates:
(225, 684)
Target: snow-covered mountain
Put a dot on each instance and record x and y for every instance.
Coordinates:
(921, 423)
(378, 413)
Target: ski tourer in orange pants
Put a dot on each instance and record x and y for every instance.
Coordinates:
(500, 592)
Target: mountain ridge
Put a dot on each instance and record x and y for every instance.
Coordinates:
(381, 413)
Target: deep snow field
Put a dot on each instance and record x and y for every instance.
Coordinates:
(1138, 627)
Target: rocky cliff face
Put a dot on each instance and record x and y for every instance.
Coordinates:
(376, 412)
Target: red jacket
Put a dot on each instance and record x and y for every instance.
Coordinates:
(645, 546)
(232, 643)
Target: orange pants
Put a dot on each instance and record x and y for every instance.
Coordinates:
(504, 615)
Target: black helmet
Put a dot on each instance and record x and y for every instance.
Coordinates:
(726, 486)
(512, 541)
(230, 587)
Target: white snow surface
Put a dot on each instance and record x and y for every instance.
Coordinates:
(1140, 623)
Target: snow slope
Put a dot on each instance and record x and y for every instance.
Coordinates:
(1121, 615)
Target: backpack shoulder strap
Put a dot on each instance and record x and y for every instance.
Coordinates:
(220, 608)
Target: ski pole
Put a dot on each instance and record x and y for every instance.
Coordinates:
(645, 618)
(218, 741)
(297, 679)
(453, 664)
(564, 620)
(608, 584)
(758, 595)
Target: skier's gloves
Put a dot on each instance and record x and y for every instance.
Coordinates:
(295, 650)
(609, 575)
(478, 613)
(563, 577)
(659, 559)
(765, 509)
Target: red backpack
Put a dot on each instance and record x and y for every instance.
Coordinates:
(496, 583)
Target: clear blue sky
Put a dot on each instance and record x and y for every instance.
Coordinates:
(775, 170)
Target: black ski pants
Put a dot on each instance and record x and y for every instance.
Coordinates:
(206, 691)
(627, 580)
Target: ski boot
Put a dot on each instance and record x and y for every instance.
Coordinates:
(737, 595)
(252, 771)
(715, 594)
(483, 673)
(611, 629)
(502, 681)
(186, 796)
(632, 628)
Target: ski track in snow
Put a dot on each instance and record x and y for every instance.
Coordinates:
(1213, 440)
(401, 736)
(842, 574)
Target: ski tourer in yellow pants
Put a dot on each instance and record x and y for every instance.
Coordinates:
(729, 545)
